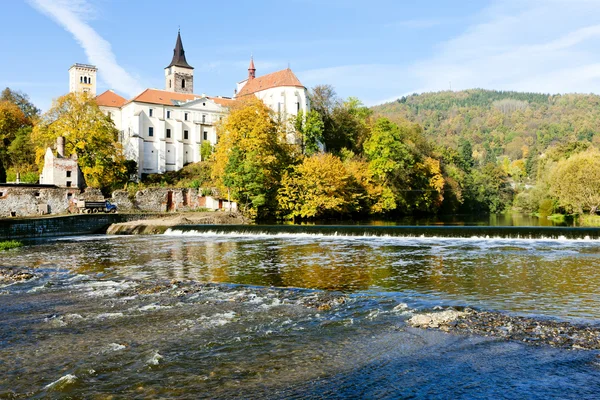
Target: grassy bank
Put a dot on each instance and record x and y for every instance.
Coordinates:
(588, 220)
(10, 244)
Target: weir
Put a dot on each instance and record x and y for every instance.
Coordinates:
(500, 232)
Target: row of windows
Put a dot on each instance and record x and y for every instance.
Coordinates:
(85, 79)
(185, 115)
(168, 133)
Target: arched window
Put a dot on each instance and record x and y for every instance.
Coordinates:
(90, 79)
(85, 79)
(81, 79)
(183, 83)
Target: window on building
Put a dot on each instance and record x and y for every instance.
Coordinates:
(185, 115)
(185, 134)
(151, 131)
(203, 117)
(68, 174)
(168, 133)
(205, 136)
(168, 114)
(203, 104)
(89, 80)
(81, 79)
(85, 79)
(298, 106)
(68, 183)
(169, 84)
(150, 112)
(183, 83)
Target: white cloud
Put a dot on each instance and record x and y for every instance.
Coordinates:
(543, 46)
(548, 46)
(73, 16)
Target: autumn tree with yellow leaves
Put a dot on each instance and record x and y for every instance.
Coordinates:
(250, 156)
(319, 187)
(576, 182)
(89, 134)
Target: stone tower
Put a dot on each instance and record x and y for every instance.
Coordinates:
(179, 75)
(82, 78)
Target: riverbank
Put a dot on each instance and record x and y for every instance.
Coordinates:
(159, 225)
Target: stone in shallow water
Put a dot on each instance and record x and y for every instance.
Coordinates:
(11, 275)
(434, 320)
(515, 328)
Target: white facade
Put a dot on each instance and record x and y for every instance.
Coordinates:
(164, 138)
(82, 78)
(285, 100)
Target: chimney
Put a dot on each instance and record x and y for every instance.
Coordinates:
(60, 146)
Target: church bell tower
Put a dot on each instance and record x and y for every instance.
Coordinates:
(179, 75)
(82, 78)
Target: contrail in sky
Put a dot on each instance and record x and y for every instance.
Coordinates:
(72, 15)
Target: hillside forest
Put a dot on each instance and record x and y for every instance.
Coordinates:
(474, 151)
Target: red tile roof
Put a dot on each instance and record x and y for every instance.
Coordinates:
(164, 97)
(276, 79)
(222, 101)
(110, 99)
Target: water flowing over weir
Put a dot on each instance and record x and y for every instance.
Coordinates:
(301, 312)
(498, 232)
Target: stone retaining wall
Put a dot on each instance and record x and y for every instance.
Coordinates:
(69, 225)
(167, 199)
(27, 201)
(22, 201)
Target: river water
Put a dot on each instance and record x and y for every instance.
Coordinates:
(260, 313)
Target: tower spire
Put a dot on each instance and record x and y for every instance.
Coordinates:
(179, 54)
(251, 69)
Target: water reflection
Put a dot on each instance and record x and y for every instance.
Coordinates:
(557, 278)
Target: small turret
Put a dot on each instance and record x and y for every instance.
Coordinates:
(251, 69)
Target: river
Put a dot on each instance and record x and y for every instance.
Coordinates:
(237, 312)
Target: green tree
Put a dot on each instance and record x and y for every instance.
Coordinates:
(489, 190)
(309, 127)
(399, 158)
(12, 121)
(206, 150)
(21, 154)
(466, 154)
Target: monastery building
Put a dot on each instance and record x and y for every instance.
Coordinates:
(162, 130)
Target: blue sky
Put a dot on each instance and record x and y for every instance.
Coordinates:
(377, 50)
